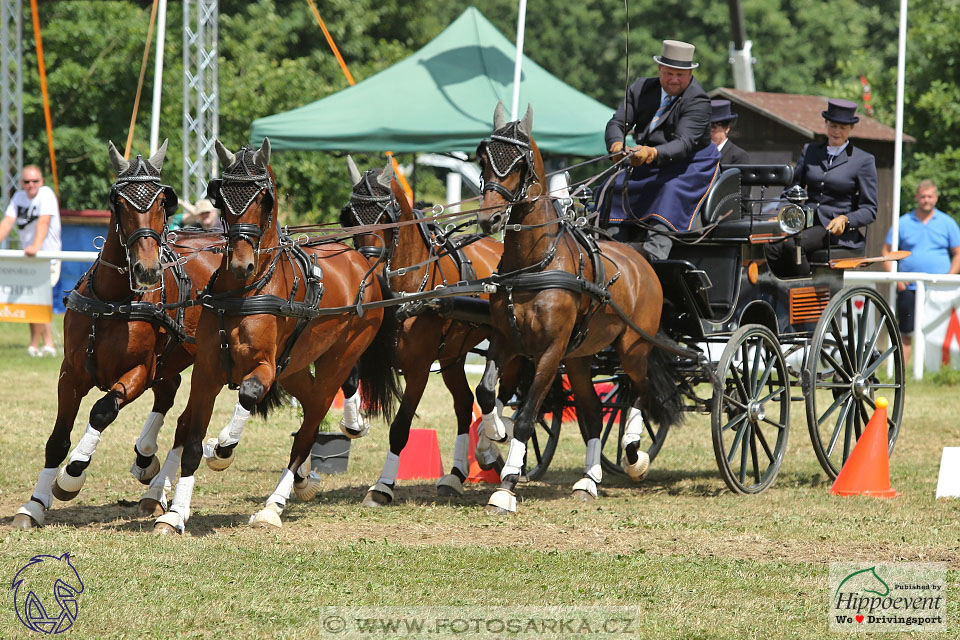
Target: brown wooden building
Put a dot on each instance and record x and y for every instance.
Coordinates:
(773, 127)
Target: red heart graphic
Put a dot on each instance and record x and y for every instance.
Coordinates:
(859, 618)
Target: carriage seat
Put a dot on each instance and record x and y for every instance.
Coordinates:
(770, 175)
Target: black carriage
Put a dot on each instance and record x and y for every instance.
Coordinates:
(761, 341)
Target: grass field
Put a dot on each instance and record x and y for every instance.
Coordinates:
(686, 558)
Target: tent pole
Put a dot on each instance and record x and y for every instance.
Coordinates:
(158, 77)
(898, 151)
(518, 62)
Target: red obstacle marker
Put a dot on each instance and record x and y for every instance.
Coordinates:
(420, 459)
(338, 400)
(476, 474)
(867, 471)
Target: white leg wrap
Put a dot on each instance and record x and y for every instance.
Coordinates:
(460, 447)
(162, 481)
(42, 491)
(593, 469)
(492, 425)
(514, 458)
(353, 424)
(634, 429)
(390, 468)
(231, 433)
(86, 447)
(282, 492)
(181, 497)
(485, 451)
(147, 442)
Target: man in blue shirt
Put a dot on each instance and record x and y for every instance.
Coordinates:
(933, 237)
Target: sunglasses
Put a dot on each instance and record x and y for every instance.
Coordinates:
(30, 181)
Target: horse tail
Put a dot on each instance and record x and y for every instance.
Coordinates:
(275, 398)
(662, 403)
(379, 381)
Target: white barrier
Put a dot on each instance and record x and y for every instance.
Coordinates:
(922, 279)
(65, 256)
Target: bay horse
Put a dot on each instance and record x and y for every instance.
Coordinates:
(271, 312)
(117, 334)
(562, 297)
(419, 257)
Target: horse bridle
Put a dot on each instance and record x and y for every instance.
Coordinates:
(514, 146)
(140, 187)
(234, 191)
(370, 208)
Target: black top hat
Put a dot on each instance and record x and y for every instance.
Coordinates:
(841, 111)
(720, 111)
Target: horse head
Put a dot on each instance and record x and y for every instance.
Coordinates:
(245, 195)
(140, 205)
(372, 201)
(510, 163)
(45, 593)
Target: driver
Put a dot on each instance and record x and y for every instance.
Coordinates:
(674, 162)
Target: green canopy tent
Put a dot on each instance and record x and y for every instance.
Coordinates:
(440, 99)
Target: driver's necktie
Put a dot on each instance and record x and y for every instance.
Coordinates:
(667, 101)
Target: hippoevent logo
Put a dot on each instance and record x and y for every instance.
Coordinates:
(45, 594)
(887, 597)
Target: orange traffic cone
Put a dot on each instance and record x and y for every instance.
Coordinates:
(338, 400)
(420, 459)
(867, 470)
(476, 474)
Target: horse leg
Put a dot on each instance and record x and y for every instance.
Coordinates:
(588, 413)
(188, 450)
(69, 395)
(128, 388)
(219, 452)
(146, 465)
(353, 424)
(504, 499)
(456, 382)
(416, 372)
(315, 396)
(634, 362)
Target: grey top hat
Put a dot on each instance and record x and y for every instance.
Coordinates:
(841, 111)
(677, 55)
(720, 111)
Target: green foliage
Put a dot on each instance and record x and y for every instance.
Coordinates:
(273, 57)
(946, 377)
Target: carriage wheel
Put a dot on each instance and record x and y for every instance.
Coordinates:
(846, 368)
(615, 406)
(751, 409)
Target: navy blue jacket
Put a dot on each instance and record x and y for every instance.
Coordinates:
(847, 187)
(684, 130)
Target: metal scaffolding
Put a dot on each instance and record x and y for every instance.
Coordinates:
(11, 95)
(200, 96)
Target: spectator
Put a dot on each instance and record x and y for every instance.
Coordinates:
(933, 238)
(205, 217)
(36, 213)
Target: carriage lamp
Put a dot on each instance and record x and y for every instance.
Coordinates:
(792, 218)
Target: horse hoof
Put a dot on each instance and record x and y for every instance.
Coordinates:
(266, 518)
(145, 474)
(376, 499)
(308, 489)
(638, 470)
(24, 521)
(450, 486)
(583, 496)
(214, 461)
(66, 487)
(150, 508)
(164, 529)
(498, 511)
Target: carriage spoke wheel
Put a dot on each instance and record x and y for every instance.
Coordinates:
(856, 339)
(615, 404)
(750, 417)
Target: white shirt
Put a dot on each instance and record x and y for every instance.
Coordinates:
(720, 146)
(835, 151)
(28, 213)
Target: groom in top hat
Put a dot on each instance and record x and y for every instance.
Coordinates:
(721, 119)
(673, 163)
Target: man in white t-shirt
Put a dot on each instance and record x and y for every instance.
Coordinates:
(35, 211)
